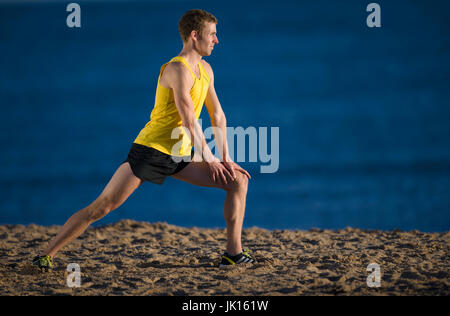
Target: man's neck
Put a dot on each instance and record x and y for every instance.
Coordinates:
(191, 56)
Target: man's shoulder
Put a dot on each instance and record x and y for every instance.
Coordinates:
(206, 64)
(176, 66)
(207, 67)
(176, 69)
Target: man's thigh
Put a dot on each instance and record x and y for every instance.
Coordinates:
(121, 185)
(197, 173)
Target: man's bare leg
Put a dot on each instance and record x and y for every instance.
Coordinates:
(197, 173)
(234, 210)
(119, 188)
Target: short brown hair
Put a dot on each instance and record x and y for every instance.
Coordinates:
(193, 20)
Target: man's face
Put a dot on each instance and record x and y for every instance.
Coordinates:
(207, 39)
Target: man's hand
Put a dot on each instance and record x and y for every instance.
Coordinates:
(220, 174)
(232, 167)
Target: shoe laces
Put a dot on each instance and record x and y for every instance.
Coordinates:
(46, 261)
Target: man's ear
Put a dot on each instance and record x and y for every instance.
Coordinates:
(195, 35)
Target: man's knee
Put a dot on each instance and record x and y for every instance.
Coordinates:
(100, 208)
(239, 185)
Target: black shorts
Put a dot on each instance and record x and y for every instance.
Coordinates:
(149, 164)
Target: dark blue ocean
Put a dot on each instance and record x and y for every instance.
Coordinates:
(363, 113)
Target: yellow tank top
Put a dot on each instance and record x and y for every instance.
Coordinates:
(165, 120)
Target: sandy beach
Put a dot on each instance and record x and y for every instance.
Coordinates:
(138, 258)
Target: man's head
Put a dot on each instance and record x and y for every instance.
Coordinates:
(198, 28)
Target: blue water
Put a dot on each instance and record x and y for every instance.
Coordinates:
(363, 113)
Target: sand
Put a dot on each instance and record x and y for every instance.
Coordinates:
(138, 258)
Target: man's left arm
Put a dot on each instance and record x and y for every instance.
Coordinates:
(219, 123)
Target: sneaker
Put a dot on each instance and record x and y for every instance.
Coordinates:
(43, 262)
(243, 257)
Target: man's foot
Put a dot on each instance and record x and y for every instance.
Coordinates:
(43, 262)
(243, 257)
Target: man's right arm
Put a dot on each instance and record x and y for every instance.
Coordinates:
(178, 78)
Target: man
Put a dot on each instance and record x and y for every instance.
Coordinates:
(184, 85)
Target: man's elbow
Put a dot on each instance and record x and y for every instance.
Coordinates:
(188, 121)
(219, 118)
(189, 125)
